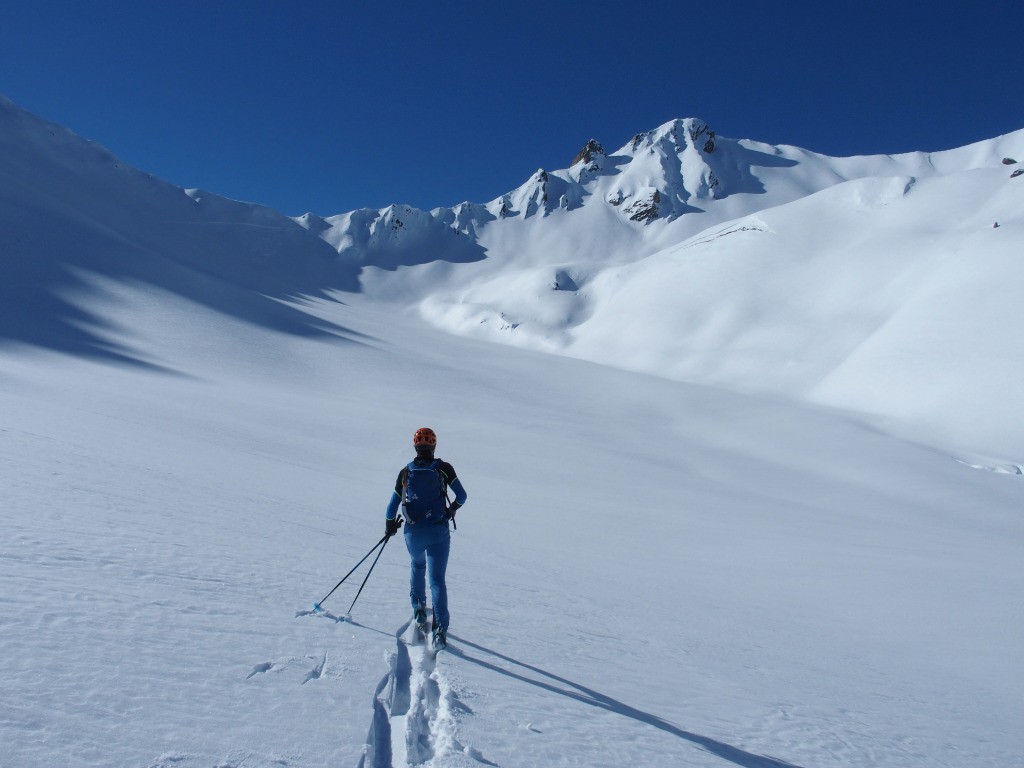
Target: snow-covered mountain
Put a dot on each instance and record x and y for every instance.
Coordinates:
(710, 566)
(883, 284)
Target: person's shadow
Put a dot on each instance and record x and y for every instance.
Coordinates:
(589, 696)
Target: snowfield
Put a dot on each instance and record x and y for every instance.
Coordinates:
(740, 518)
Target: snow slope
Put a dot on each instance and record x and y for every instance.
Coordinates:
(69, 209)
(892, 288)
(648, 571)
(887, 285)
(896, 301)
(876, 284)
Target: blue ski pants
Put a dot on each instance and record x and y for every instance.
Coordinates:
(428, 545)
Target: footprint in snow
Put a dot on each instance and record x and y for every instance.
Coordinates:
(259, 669)
(317, 672)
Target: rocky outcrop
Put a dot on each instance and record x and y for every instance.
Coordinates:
(588, 162)
(665, 171)
(591, 151)
(646, 208)
(698, 131)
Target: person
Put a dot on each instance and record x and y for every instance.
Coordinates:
(422, 491)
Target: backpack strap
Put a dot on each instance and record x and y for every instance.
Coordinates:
(404, 477)
(436, 466)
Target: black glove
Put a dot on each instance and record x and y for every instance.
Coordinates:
(391, 526)
(450, 512)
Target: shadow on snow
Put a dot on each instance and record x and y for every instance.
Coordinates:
(74, 219)
(591, 697)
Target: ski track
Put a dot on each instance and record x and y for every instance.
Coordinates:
(414, 710)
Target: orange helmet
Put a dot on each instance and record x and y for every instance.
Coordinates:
(424, 437)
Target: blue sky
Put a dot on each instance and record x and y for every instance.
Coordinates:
(330, 106)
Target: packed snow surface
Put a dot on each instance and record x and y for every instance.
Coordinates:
(740, 517)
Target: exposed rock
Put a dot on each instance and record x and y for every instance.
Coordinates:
(1009, 161)
(1017, 173)
(698, 128)
(646, 209)
(590, 149)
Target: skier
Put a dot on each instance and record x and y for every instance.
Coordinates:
(422, 490)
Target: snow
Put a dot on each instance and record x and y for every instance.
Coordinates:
(927, 285)
(202, 414)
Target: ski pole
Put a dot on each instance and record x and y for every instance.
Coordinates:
(368, 575)
(316, 606)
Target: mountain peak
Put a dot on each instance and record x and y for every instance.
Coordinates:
(590, 150)
(679, 133)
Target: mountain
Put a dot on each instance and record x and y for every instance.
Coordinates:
(204, 405)
(880, 284)
(682, 253)
(69, 209)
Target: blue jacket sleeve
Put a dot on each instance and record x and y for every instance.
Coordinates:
(393, 506)
(460, 492)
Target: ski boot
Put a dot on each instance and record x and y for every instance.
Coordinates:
(419, 616)
(440, 639)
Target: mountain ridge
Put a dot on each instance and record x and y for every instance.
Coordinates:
(683, 254)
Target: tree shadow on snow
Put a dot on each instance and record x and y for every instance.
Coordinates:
(585, 695)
